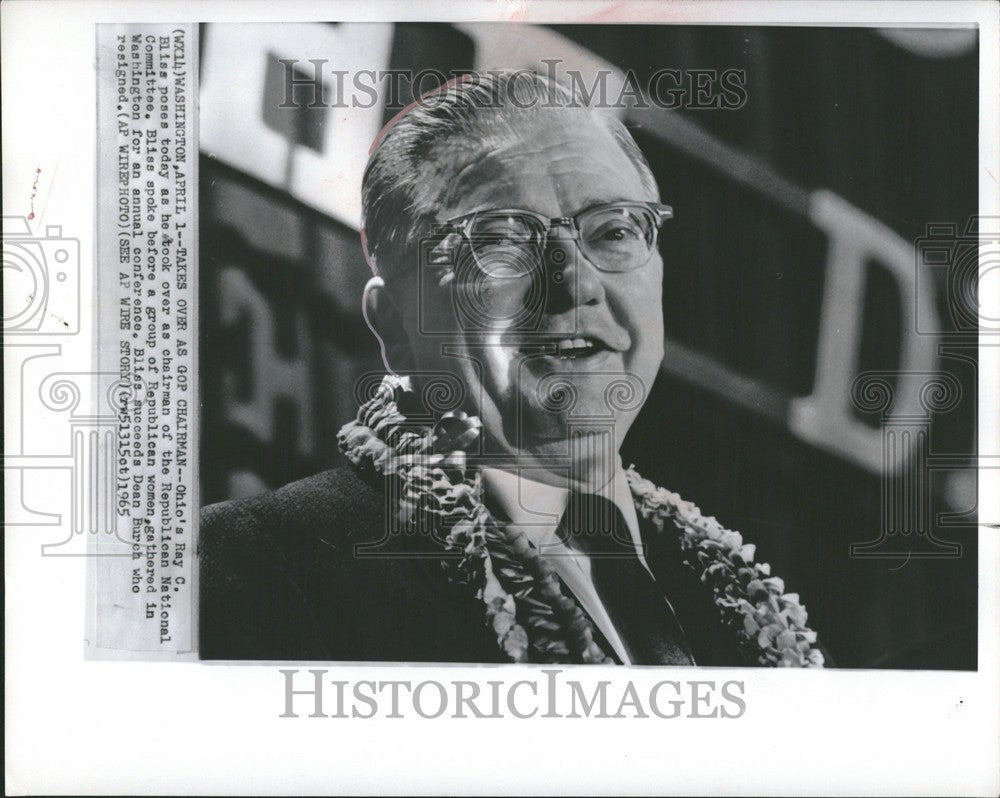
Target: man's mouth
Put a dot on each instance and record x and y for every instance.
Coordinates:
(575, 348)
(564, 348)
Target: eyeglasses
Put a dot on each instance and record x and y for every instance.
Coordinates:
(614, 236)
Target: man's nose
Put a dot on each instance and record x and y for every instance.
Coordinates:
(573, 280)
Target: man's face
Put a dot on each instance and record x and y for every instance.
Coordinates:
(569, 344)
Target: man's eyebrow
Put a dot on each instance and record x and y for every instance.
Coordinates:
(590, 202)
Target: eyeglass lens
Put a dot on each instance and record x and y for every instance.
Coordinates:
(614, 238)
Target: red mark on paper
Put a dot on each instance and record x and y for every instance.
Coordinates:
(628, 12)
(34, 191)
(518, 13)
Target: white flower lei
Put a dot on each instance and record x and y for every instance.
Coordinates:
(523, 599)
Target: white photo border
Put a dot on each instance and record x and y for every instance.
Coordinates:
(87, 727)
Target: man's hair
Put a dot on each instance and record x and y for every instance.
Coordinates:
(409, 167)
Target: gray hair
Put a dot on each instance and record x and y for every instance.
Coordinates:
(399, 193)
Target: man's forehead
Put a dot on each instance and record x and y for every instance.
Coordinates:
(555, 164)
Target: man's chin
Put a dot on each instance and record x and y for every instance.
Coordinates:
(589, 423)
(579, 463)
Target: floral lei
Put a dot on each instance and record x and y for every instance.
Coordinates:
(532, 618)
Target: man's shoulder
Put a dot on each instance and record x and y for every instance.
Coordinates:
(329, 497)
(333, 511)
(276, 568)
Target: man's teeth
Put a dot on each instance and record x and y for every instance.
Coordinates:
(565, 347)
(574, 343)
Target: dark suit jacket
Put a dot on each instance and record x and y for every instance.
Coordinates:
(281, 580)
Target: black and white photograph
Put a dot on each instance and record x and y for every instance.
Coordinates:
(623, 351)
(514, 397)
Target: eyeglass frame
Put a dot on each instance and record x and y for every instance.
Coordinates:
(462, 225)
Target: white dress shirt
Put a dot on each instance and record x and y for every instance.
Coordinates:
(536, 509)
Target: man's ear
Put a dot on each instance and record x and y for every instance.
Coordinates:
(384, 319)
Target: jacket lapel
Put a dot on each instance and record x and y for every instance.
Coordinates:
(711, 642)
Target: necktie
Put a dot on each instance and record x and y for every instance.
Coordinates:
(641, 614)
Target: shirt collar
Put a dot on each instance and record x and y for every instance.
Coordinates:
(537, 508)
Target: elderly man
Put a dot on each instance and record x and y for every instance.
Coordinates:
(487, 515)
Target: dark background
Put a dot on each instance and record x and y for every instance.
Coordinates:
(890, 128)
